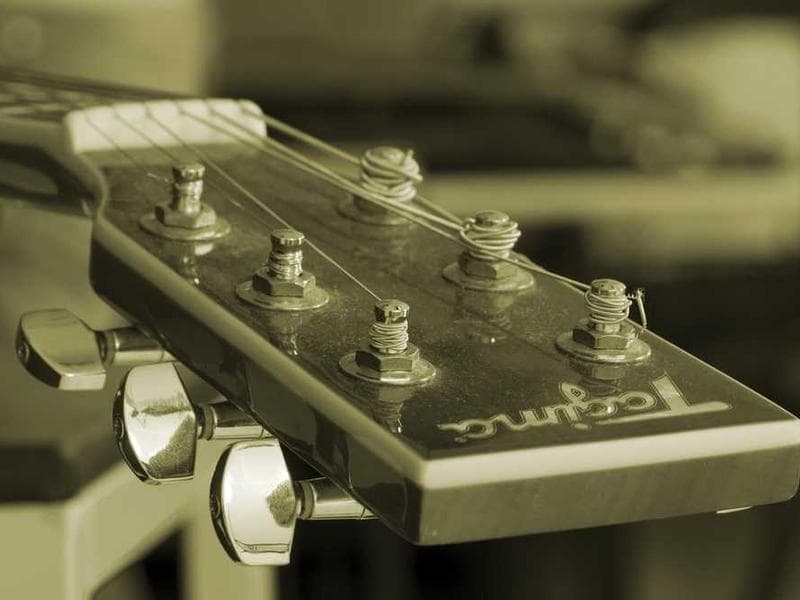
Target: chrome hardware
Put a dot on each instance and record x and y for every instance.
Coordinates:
(389, 358)
(282, 284)
(254, 503)
(490, 234)
(60, 350)
(605, 336)
(389, 173)
(186, 218)
(157, 427)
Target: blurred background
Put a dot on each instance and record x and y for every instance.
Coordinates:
(655, 141)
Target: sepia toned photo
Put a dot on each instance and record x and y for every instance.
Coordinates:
(380, 300)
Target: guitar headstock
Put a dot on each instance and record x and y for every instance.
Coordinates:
(451, 386)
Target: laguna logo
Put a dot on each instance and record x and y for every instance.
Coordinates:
(582, 412)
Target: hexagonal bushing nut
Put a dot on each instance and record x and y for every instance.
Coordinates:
(584, 334)
(486, 269)
(378, 361)
(600, 371)
(299, 287)
(205, 217)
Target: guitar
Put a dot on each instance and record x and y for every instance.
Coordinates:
(436, 379)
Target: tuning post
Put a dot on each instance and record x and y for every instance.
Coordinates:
(491, 236)
(389, 173)
(157, 426)
(283, 284)
(62, 351)
(605, 335)
(186, 217)
(390, 358)
(254, 503)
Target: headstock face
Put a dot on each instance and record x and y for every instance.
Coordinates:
(510, 437)
(509, 424)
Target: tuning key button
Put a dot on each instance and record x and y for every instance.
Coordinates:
(60, 350)
(254, 503)
(157, 427)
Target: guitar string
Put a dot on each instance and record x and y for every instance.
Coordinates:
(331, 149)
(174, 158)
(162, 179)
(281, 151)
(274, 148)
(308, 164)
(319, 144)
(352, 187)
(316, 168)
(55, 93)
(616, 307)
(231, 180)
(392, 330)
(312, 168)
(124, 152)
(321, 170)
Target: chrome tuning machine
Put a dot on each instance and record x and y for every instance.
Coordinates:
(62, 351)
(255, 504)
(157, 426)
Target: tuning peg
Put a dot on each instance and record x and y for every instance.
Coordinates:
(60, 350)
(254, 503)
(157, 427)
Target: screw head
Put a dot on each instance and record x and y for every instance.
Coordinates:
(391, 311)
(286, 239)
(608, 287)
(187, 172)
(491, 218)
